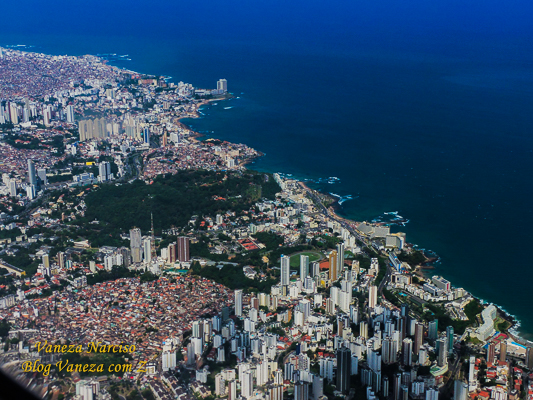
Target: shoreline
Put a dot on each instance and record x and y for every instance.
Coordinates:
(419, 270)
(512, 331)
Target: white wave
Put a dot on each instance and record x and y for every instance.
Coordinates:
(227, 108)
(344, 199)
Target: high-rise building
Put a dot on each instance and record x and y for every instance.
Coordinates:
(340, 258)
(85, 390)
(404, 310)
(222, 85)
(220, 385)
(529, 357)
(385, 387)
(333, 266)
(147, 249)
(442, 358)
(41, 173)
(247, 384)
(32, 176)
(402, 327)
(407, 352)
(471, 369)
(146, 135)
(30, 192)
(419, 337)
(126, 256)
(183, 249)
(13, 188)
(396, 387)
(432, 394)
(318, 387)
(460, 390)
(363, 329)
(285, 270)
(47, 115)
(433, 329)
(104, 170)
(172, 252)
(92, 129)
(491, 353)
(372, 296)
(450, 339)
(13, 113)
(238, 302)
(304, 266)
(70, 114)
(389, 350)
(301, 391)
(136, 245)
(232, 390)
(168, 358)
(503, 351)
(344, 363)
(275, 392)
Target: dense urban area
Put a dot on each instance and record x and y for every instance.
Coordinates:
(140, 262)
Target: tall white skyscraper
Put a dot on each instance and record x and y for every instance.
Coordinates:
(340, 258)
(222, 85)
(2, 115)
(247, 384)
(168, 357)
(70, 114)
(471, 368)
(104, 170)
(136, 245)
(432, 394)
(47, 115)
(372, 296)
(13, 188)
(13, 113)
(232, 390)
(460, 390)
(285, 270)
(147, 246)
(238, 302)
(304, 266)
(32, 176)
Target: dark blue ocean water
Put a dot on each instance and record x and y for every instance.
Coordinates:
(419, 107)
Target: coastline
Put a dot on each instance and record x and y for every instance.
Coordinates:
(332, 210)
(513, 331)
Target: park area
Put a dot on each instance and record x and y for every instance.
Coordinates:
(313, 256)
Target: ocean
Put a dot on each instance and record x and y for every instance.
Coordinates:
(416, 108)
